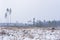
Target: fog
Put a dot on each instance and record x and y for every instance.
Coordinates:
(25, 10)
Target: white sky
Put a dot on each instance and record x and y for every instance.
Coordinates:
(24, 10)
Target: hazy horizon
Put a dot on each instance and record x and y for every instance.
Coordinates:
(25, 10)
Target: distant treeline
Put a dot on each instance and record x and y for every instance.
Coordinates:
(39, 23)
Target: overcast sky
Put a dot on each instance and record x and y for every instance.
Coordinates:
(24, 10)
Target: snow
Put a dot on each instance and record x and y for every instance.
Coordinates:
(29, 34)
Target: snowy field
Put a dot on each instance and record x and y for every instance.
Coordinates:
(14, 33)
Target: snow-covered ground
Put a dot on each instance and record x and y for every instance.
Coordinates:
(29, 34)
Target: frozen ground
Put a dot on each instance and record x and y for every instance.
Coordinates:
(14, 33)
